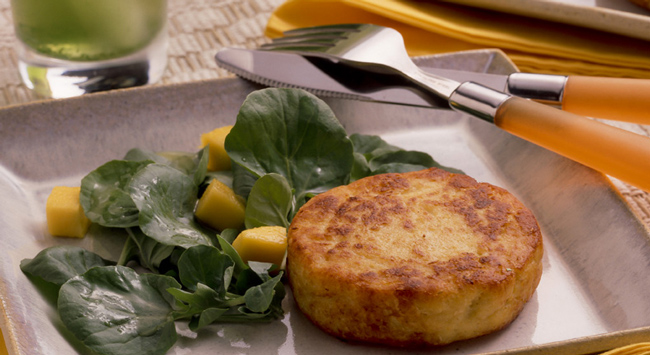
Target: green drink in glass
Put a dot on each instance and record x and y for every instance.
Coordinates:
(71, 47)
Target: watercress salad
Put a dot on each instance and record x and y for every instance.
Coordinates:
(286, 146)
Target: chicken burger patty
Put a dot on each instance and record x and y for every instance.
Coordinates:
(413, 259)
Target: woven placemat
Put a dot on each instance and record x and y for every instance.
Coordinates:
(197, 28)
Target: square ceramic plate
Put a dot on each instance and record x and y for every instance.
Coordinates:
(592, 295)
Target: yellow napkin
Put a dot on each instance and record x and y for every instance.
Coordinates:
(634, 349)
(3, 347)
(431, 27)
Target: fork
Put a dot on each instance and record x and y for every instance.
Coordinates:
(365, 46)
(610, 150)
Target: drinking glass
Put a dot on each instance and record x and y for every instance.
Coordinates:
(70, 47)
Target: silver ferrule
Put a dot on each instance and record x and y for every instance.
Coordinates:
(477, 100)
(539, 87)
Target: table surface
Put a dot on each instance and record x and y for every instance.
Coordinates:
(197, 28)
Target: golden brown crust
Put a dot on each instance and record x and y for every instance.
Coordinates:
(421, 258)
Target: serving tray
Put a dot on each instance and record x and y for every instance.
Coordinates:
(592, 295)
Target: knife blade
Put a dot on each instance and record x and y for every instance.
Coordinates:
(318, 76)
(608, 98)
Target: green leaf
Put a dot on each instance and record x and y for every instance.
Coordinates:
(149, 252)
(269, 202)
(229, 234)
(206, 265)
(259, 298)
(104, 193)
(375, 156)
(201, 298)
(228, 249)
(58, 264)
(129, 252)
(195, 165)
(244, 315)
(397, 168)
(255, 274)
(226, 177)
(243, 180)
(113, 310)
(361, 168)
(166, 199)
(137, 154)
(292, 133)
(370, 145)
(207, 317)
(260, 303)
(192, 164)
(402, 157)
(261, 269)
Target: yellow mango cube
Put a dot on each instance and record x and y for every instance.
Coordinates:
(264, 244)
(65, 216)
(220, 208)
(219, 159)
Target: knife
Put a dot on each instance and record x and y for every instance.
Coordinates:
(608, 98)
(617, 152)
(617, 99)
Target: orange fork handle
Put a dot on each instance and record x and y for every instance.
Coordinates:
(608, 149)
(610, 98)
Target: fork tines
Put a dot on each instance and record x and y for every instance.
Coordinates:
(313, 37)
(326, 29)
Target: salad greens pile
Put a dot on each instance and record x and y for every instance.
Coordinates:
(286, 146)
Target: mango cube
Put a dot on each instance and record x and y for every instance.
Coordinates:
(220, 207)
(219, 159)
(65, 216)
(264, 244)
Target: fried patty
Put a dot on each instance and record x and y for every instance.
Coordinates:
(413, 259)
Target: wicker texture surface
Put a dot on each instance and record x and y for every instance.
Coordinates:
(197, 28)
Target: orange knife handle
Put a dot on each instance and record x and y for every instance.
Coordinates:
(610, 98)
(608, 149)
